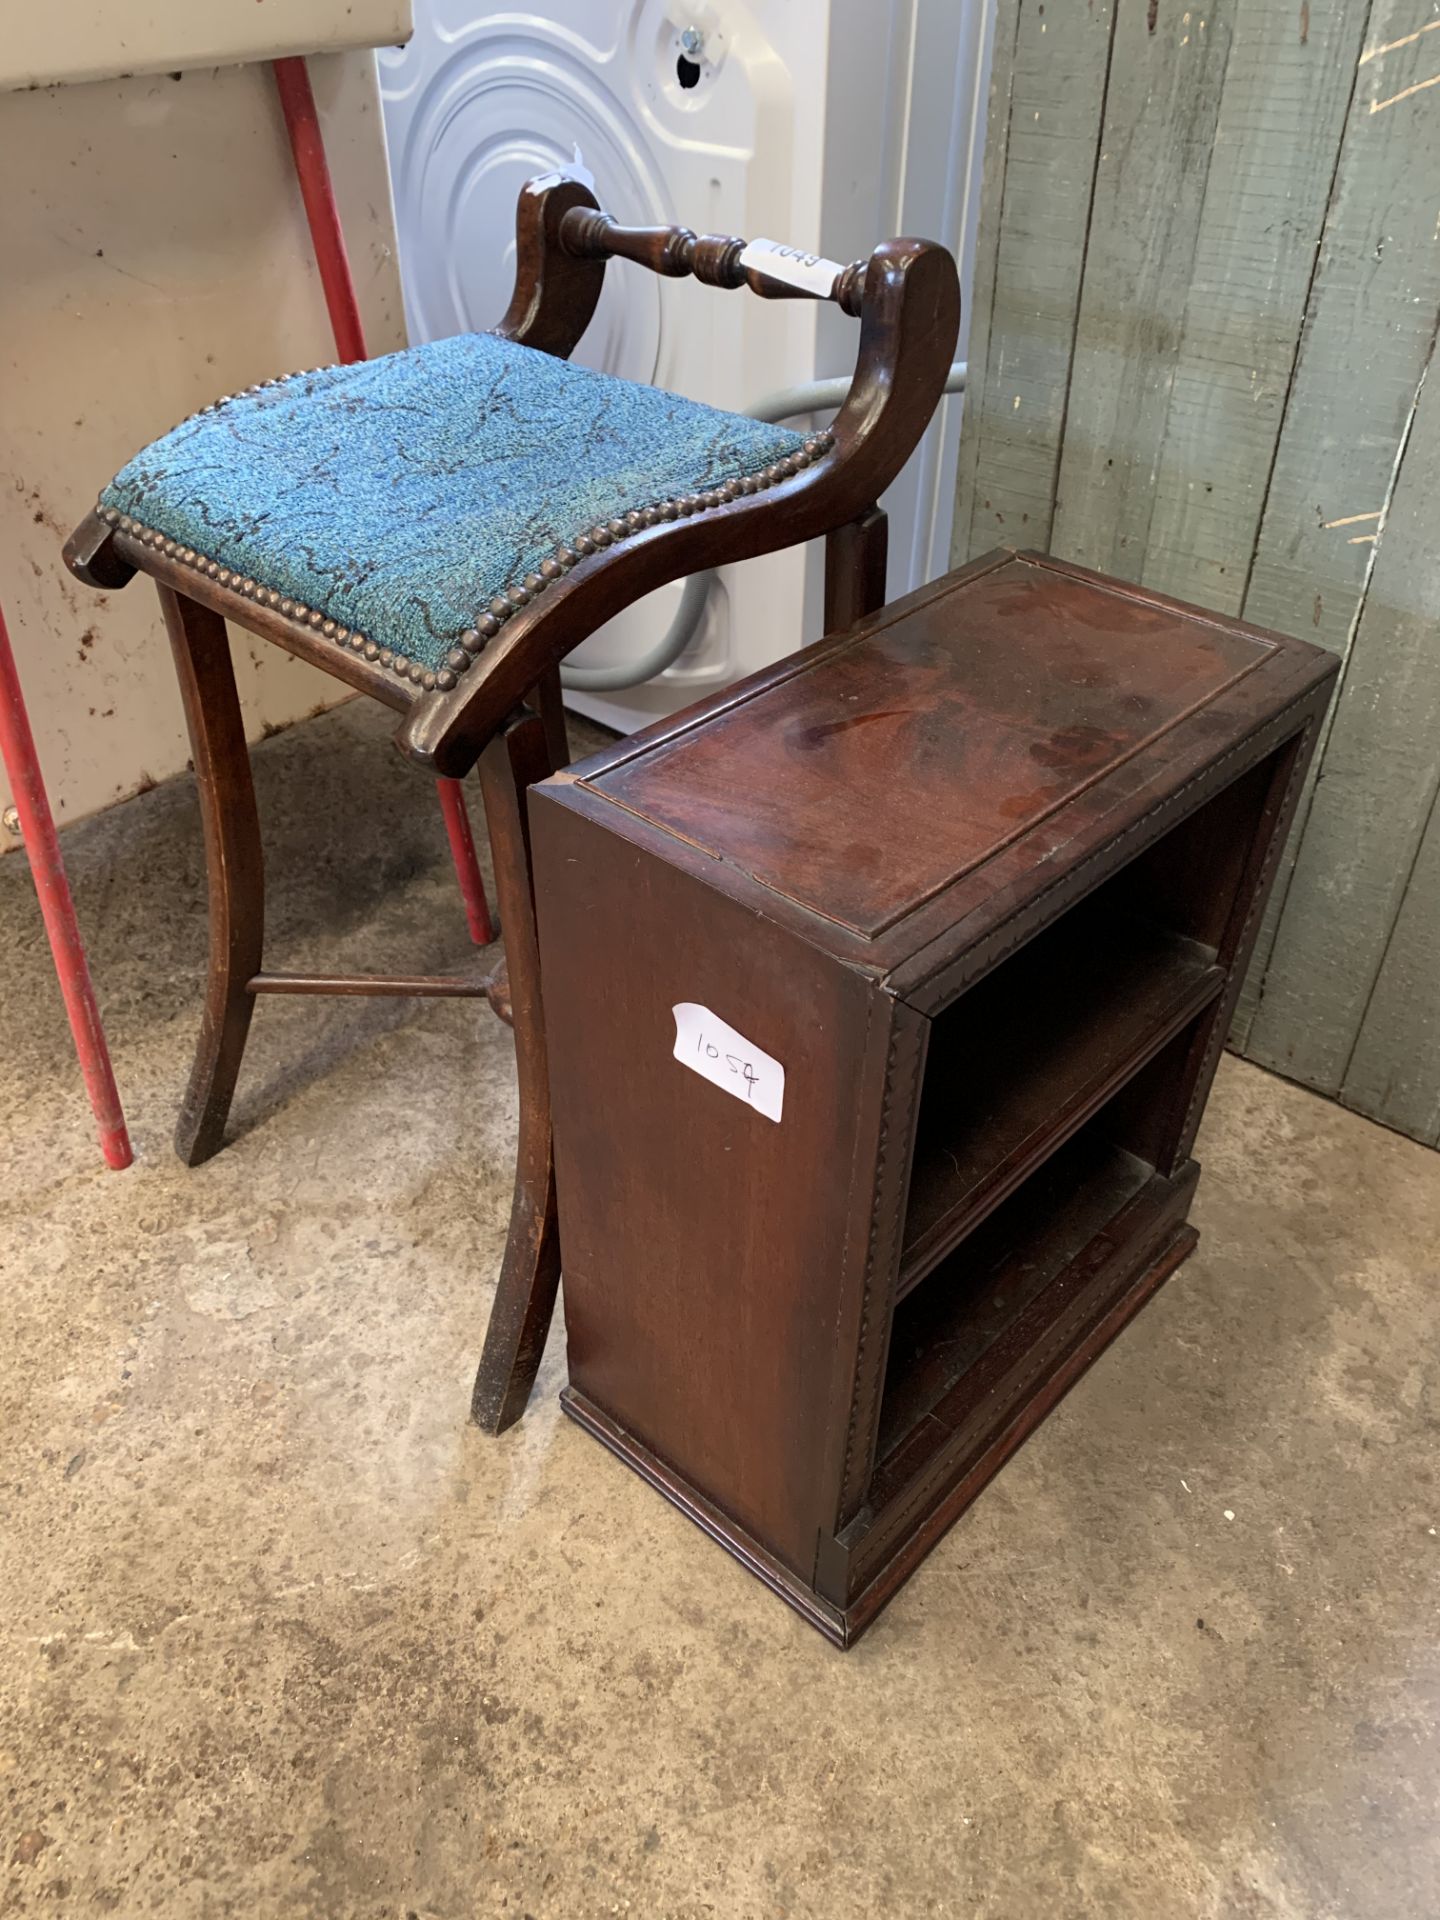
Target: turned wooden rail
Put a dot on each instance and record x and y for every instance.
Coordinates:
(586, 233)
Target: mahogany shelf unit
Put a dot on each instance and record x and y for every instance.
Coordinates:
(979, 877)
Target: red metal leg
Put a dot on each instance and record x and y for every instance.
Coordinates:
(467, 868)
(312, 170)
(42, 844)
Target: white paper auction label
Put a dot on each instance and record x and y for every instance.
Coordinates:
(710, 1047)
(792, 265)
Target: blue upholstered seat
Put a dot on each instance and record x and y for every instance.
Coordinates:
(392, 502)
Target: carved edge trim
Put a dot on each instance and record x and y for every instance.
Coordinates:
(898, 1116)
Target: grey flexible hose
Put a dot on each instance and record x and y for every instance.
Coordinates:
(814, 396)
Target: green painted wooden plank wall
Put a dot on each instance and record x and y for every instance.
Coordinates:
(1206, 301)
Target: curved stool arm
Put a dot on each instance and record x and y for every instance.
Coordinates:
(910, 316)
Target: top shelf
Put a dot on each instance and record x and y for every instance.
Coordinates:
(1027, 1055)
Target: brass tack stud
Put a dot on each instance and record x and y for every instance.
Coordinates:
(342, 634)
(565, 558)
(273, 597)
(601, 535)
(471, 640)
(668, 510)
(517, 598)
(287, 606)
(619, 528)
(550, 568)
(212, 568)
(357, 641)
(387, 657)
(500, 608)
(372, 650)
(534, 583)
(223, 576)
(417, 672)
(583, 544)
(429, 682)
(401, 665)
(316, 618)
(445, 679)
(458, 659)
(328, 629)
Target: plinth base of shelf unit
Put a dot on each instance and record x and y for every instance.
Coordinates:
(1154, 1245)
(829, 1619)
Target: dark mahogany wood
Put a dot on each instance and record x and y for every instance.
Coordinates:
(523, 753)
(855, 559)
(907, 297)
(433, 986)
(713, 258)
(1050, 697)
(982, 873)
(234, 867)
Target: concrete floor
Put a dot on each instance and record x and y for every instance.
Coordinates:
(283, 1635)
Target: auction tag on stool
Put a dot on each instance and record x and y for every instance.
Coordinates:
(792, 265)
(708, 1046)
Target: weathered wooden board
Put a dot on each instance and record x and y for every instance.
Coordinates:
(1366, 344)
(1282, 114)
(1050, 122)
(1253, 308)
(1366, 341)
(1161, 109)
(987, 251)
(1394, 1072)
(1373, 798)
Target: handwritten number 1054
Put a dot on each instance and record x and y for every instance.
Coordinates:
(737, 1063)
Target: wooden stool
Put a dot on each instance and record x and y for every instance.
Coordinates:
(439, 529)
(935, 933)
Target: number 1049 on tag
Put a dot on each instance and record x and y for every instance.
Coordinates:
(712, 1048)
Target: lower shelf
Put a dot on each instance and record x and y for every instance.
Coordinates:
(999, 1288)
(979, 1358)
